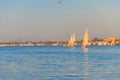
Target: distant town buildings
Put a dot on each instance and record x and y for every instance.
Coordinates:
(110, 41)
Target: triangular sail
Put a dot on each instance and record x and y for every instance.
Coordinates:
(112, 42)
(71, 40)
(85, 38)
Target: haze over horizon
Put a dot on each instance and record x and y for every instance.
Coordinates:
(43, 20)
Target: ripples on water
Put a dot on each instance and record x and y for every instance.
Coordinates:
(60, 63)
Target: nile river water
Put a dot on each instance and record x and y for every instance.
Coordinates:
(60, 63)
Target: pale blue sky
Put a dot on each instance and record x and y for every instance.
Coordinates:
(39, 20)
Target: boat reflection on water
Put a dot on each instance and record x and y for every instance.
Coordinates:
(85, 49)
(86, 72)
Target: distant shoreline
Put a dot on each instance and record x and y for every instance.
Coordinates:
(93, 42)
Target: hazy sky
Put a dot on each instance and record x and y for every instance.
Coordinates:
(39, 20)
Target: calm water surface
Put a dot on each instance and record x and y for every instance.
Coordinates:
(60, 63)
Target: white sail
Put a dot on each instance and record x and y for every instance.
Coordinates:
(112, 42)
(71, 40)
(85, 38)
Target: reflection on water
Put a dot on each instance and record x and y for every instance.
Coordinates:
(86, 65)
(85, 49)
(59, 63)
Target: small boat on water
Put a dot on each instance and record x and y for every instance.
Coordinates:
(71, 40)
(85, 40)
(112, 42)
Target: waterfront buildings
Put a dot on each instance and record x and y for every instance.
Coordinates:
(100, 42)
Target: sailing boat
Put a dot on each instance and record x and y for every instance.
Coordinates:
(71, 40)
(85, 39)
(112, 42)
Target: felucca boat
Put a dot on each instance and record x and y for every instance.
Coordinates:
(71, 40)
(85, 40)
